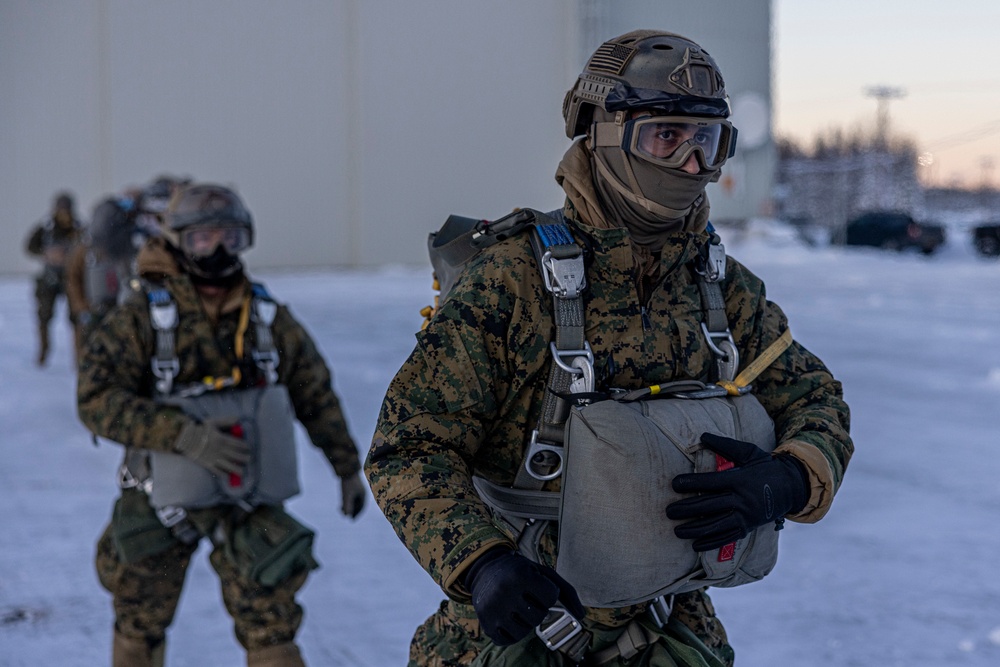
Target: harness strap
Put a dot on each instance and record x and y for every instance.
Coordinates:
(757, 366)
(265, 354)
(163, 317)
(561, 263)
(633, 639)
(711, 270)
(520, 503)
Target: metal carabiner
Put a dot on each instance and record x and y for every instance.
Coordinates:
(727, 356)
(535, 448)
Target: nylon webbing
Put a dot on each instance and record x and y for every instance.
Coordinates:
(758, 365)
(714, 306)
(552, 238)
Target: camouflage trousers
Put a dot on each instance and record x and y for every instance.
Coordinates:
(146, 594)
(452, 637)
(48, 288)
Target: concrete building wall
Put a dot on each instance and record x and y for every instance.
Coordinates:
(351, 128)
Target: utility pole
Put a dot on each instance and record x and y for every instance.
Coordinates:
(883, 95)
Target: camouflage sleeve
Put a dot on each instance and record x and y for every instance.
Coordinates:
(310, 386)
(812, 421)
(114, 384)
(450, 409)
(76, 295)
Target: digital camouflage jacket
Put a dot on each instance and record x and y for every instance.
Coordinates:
(471, 392)
(115, 384)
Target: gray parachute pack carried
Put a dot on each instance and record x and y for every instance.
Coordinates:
(616, 458)
(263, 418)
(262, 415)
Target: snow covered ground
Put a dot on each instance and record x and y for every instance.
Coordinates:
(903, 571)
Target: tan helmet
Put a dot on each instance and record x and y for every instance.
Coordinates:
(642, 164)
(646, 69)
(210, 226)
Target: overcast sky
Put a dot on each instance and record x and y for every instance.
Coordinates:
(945, 56)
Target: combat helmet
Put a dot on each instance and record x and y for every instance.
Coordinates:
(209, 226)
(680, 86)
(111, 229)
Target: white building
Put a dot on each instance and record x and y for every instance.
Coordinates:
(351, 128)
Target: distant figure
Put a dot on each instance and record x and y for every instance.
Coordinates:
(51, 241)
(100, 267)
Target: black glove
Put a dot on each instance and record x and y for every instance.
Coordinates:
(759, 489)
(352, 495)
(512, 594)
(207, 445)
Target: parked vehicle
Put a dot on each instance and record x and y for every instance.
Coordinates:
(986, 238)
(894, 230)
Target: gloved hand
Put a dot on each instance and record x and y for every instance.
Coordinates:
(759, 489)
(352, 493)
(512, 594)
(207, 445)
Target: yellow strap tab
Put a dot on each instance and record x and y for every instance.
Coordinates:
(654, 390)
(241, 328)
(757, 366)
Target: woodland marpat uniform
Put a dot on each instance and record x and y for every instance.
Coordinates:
(472, 389)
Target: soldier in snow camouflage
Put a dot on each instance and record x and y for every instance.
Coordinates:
(471, 392)
(141, 561)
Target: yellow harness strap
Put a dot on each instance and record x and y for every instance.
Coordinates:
(218, 383)
(757, 366)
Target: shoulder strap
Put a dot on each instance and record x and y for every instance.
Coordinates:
(163, 317)
(711, 270)
(264, 310)
(560, 261)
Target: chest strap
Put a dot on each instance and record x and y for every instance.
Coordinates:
(711, 270)
(260, 309)
(572, 368)
(163, 317)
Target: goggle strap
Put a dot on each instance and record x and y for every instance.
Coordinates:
(607, 134)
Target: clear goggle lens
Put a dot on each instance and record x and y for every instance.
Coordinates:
(202, 241)
(670, 141)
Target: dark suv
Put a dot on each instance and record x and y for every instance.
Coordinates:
(894, 230)
(987, 239)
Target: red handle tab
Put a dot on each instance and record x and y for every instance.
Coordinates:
(236, 480)
(727, 551)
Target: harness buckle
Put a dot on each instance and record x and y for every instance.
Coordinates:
(727, 356)
(562, 628)
(715, 265)
(659, 609)
(541, 450)
(267, 362)
(126, 480)
(565, 277)
(170, 516)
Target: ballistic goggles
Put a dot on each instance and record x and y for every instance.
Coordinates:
(202, 240)
(670, 141)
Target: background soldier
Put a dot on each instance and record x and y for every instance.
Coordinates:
(208, 435)
(51, 241)
(100, 266)
(651, 109)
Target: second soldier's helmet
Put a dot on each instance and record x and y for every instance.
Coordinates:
(680, 86)
(209, 226)
(111, 229)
